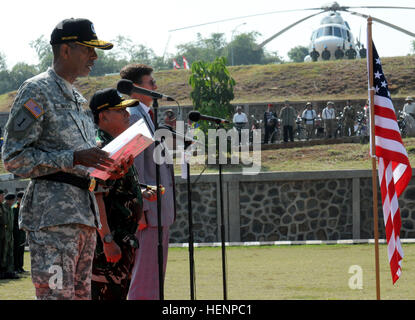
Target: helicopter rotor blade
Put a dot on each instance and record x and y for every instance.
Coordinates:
(379, 7)
(286, 29)
(242, 17)
(382, 22)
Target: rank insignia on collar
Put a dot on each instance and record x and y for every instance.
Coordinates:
(34, 108)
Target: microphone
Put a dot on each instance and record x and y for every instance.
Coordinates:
(196, 116)
(127, 87)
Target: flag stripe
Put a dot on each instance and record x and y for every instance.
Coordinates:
(394, 169)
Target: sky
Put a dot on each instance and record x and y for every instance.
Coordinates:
(149, 22)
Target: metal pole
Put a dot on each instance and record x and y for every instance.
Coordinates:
(374, 173)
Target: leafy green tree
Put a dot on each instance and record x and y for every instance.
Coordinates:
(272, 57)
(243, 50)
(212, 88)
(21, 72)
(44, 52)
(203, 49)
(6, 83)
(106, 64)
(298, 53)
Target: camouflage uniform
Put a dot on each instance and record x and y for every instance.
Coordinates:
(123, 206)
(46, 125)
(6, 241)
(19, 237)
(349, 114)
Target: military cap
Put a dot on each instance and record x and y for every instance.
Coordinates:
(330, 103)
(80, 31)
(110, 99)
(308, 104)
(10, 196)
(409, 99)
(1, 191)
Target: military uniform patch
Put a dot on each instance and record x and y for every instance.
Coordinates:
(34, 108)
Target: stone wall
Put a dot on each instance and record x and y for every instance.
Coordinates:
(277, 206)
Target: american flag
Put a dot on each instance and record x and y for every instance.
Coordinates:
(393, 165)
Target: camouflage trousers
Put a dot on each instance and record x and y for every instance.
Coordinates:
(61, 261)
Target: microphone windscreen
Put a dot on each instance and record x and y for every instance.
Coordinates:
(194, 116)
(125, 86)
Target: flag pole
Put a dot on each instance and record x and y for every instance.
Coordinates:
(372, 147)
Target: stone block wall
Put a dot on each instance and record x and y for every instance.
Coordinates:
(277, 206)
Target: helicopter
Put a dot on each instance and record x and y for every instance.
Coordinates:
(332, 32)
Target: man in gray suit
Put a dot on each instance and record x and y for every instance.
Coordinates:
(145, 277)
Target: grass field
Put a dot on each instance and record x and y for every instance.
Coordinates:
(301, 272)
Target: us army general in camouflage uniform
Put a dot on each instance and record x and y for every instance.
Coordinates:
(50, 139)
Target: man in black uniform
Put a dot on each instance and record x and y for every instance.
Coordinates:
(325, 55)
(351, 53)
(339, 53)
(314, 54)
(362, 52)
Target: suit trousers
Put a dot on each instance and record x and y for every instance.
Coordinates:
(145, 276)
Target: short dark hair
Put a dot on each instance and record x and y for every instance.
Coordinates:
(134, 72)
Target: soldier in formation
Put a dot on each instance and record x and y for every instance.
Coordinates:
(339, 53)
(325, 54)
(351, 53)
(6, 237)
(314, 54)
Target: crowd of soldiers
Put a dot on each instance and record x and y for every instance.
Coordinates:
(12, 240)
(307, 124)
(340, 53)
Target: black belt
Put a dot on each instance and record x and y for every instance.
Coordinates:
(64, 177)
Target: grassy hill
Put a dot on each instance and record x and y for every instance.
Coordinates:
(344, 79)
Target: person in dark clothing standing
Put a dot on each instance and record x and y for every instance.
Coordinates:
(19, 237)
(270, 122)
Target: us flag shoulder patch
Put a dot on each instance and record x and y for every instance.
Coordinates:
(34, 108)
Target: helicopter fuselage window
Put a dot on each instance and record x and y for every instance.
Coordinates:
(319, 33)
(337, 32)
(328, 31)
(348, 35)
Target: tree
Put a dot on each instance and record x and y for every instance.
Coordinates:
(203, 49)
(44, 52)
(3, 64)
(297, 54)
(21, 72)
(212, 88)
(413, 46)
(243, 50)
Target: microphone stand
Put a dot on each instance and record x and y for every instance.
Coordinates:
(191, 240)
(222, 226)
(159, 226)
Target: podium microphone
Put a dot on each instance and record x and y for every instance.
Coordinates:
(196, 116)
(127, 87)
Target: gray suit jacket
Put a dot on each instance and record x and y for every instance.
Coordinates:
(146, 168)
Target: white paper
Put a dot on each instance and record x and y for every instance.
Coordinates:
(132, 141)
